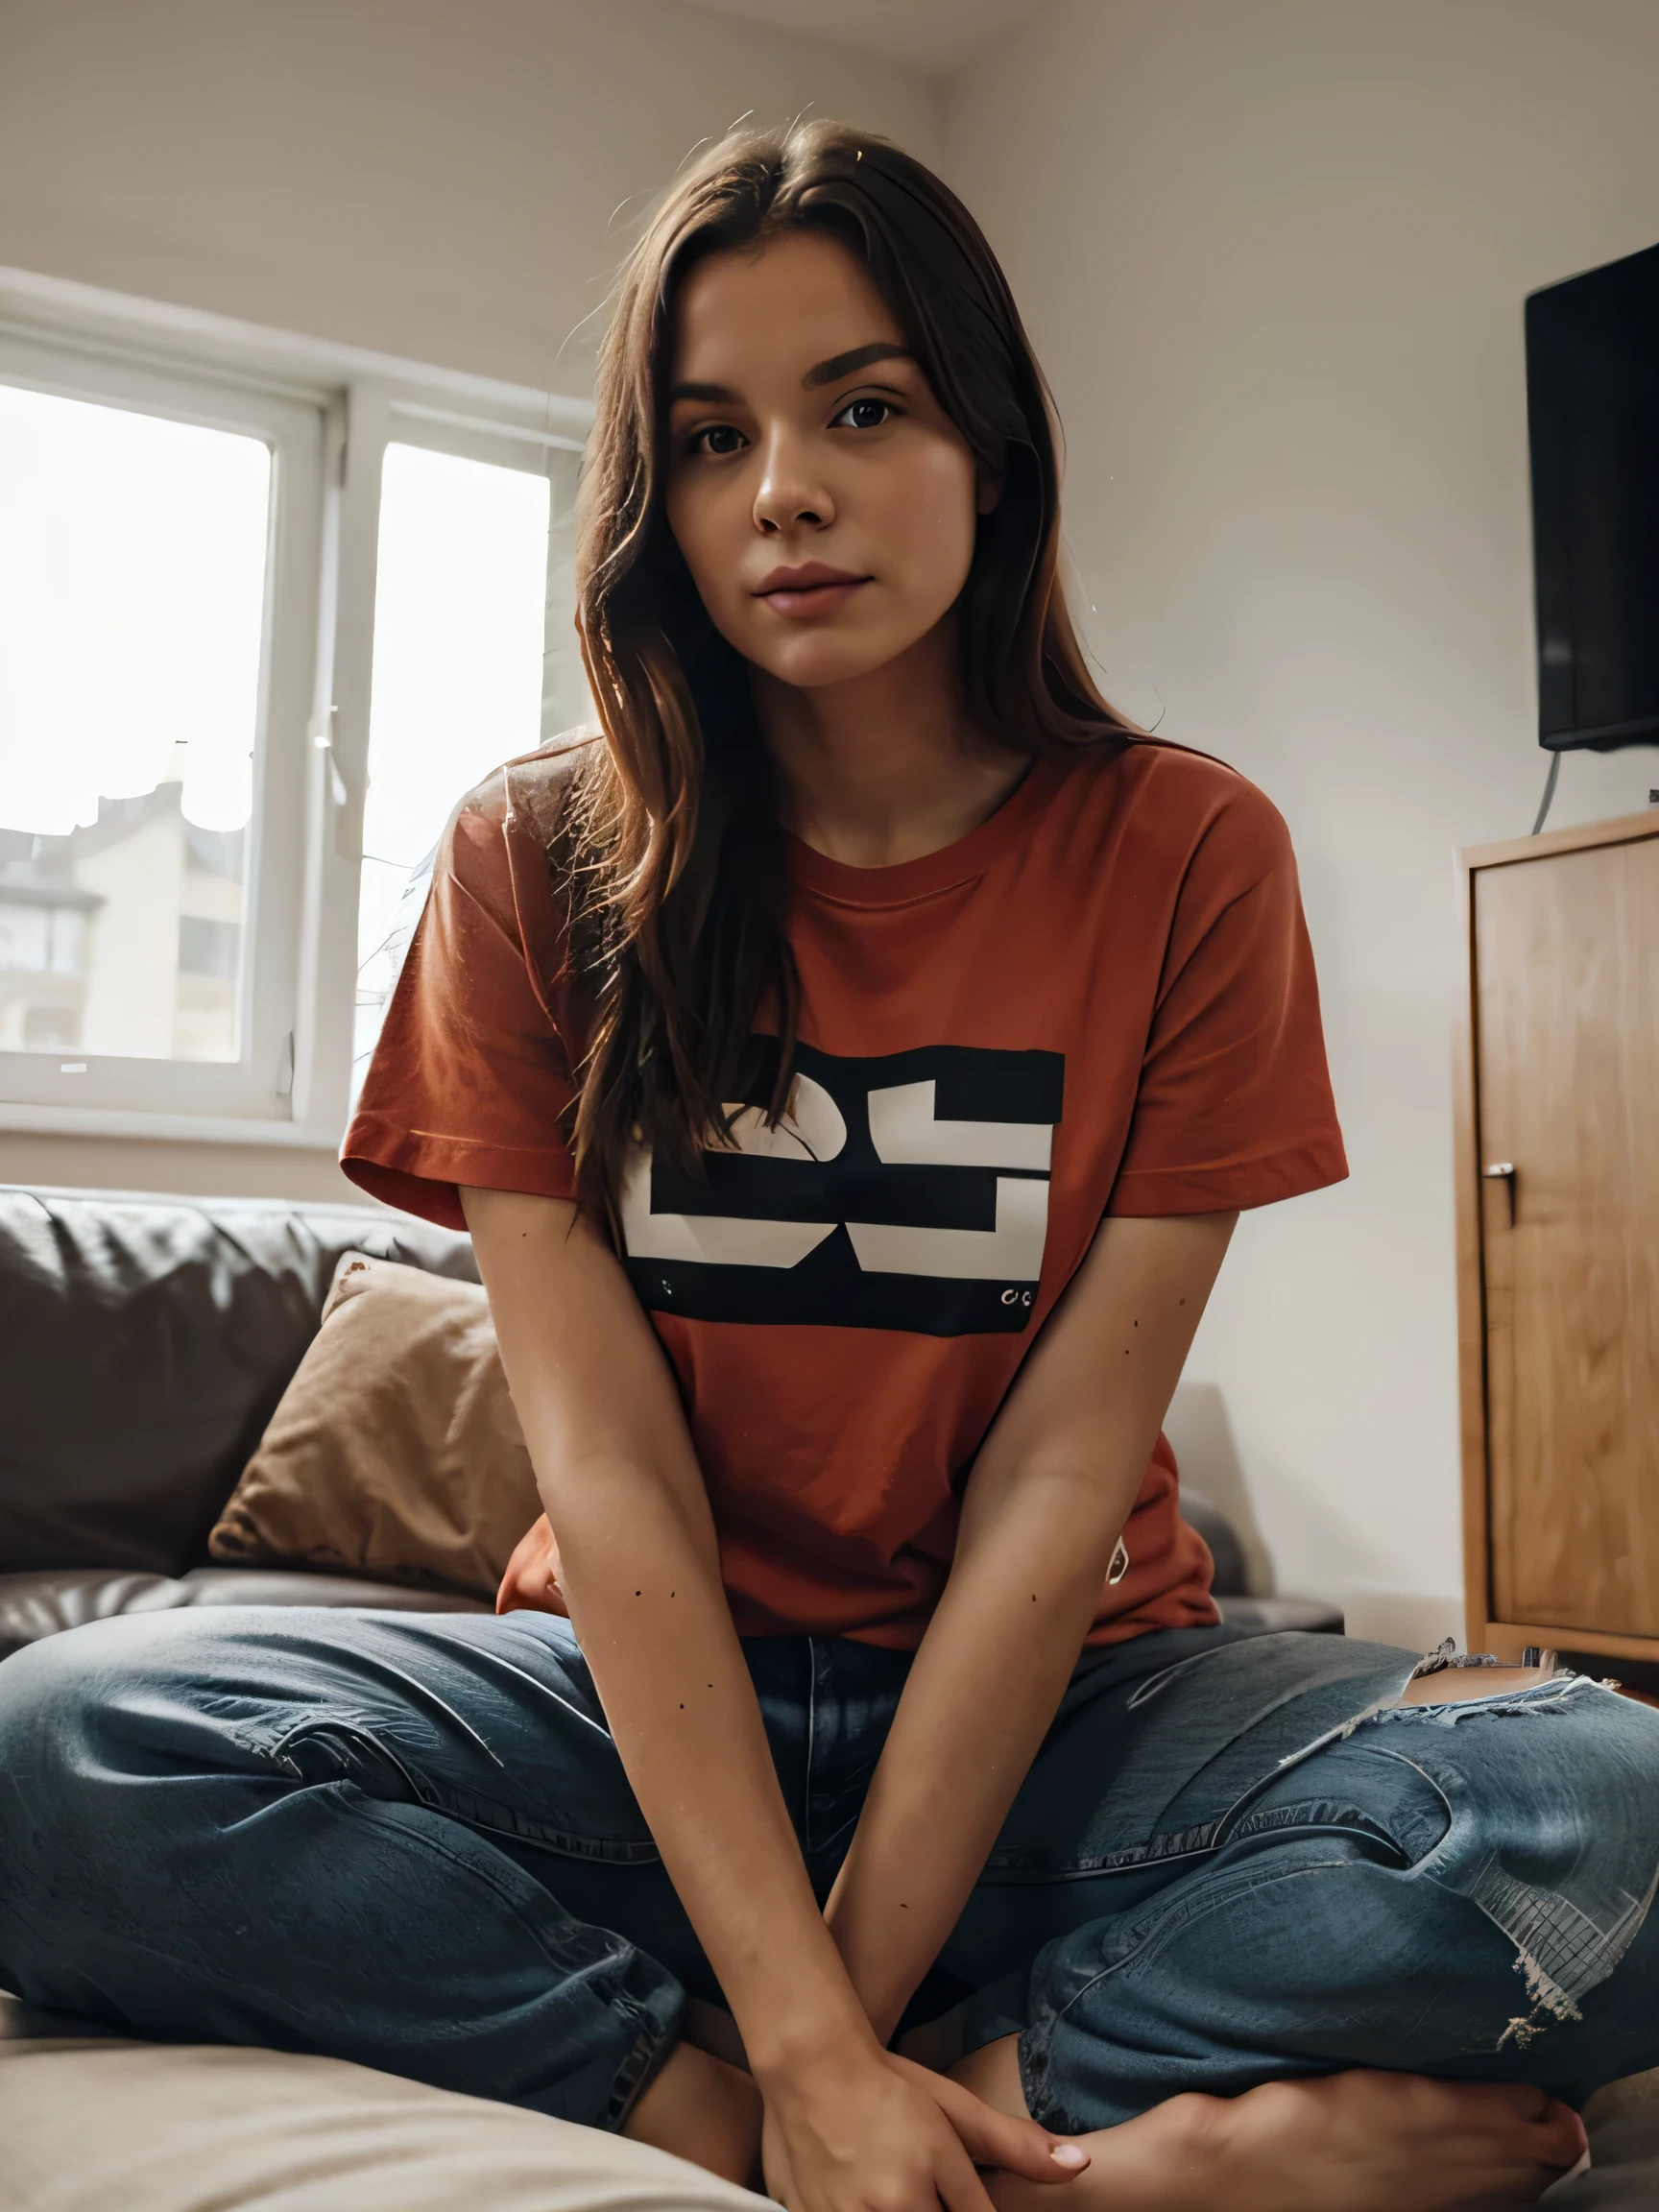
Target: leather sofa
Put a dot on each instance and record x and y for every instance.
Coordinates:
(144, 1342)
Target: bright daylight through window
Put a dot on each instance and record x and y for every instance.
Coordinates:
(133, 575)
(460, 613)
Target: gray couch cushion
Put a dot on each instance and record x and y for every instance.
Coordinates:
(89, 2123)
(1623, 2120)
(1272, 1616)
(143, 1343)
(35, 1605)
(111, 2126)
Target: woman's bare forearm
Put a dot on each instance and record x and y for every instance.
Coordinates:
(640, 1574)
(1050, 1495)
(657, 1632)
(967, 1729)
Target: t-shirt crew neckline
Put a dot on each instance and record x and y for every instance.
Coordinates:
(940, 870)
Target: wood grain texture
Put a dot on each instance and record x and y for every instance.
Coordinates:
(1567, 1069)
(1471, 1296)
(1508, 1638)
(1582, 837)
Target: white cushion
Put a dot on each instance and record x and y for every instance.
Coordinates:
(95, 2127)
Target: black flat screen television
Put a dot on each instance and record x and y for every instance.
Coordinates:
(1593, 415)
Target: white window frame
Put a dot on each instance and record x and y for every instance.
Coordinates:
(328, 413)
(256, 1083)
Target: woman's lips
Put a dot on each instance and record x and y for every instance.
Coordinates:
(810, 591)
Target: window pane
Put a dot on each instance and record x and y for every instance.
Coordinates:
(460, 608)
(132, 557)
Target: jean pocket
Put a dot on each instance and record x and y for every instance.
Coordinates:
(330, 1746)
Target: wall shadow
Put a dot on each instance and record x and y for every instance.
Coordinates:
(1206, 1454)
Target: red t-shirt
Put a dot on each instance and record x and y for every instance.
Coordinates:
(1102, 1001)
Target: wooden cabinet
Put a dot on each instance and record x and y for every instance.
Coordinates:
(1557, 1138)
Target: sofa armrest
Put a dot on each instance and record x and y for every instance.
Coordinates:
(45, 1603)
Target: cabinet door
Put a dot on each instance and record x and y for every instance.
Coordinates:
(1566, 1008)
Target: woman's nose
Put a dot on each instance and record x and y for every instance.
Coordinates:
(790, 495)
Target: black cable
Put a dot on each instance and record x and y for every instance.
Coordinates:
(1548, 792)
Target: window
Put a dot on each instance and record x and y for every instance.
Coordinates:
(158, 572)
(265, 613)
(133, 562)
(460, 621)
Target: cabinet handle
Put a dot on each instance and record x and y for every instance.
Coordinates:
(1502, 1171)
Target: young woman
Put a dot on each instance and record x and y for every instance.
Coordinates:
(850, 1065)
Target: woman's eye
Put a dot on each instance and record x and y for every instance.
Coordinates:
(718, 438)
(865, 414)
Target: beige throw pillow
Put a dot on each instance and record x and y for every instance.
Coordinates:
(395, 1450)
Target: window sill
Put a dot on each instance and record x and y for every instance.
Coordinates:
(166, 1128)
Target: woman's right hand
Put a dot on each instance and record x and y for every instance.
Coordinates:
(876, 2133)
(531, 1582)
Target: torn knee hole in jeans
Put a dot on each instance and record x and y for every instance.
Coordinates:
(1550, 1694)
(1555, 1682)
(1562, 1948)
(1548, 1698)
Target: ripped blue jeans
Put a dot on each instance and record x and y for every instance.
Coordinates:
(408, 1841)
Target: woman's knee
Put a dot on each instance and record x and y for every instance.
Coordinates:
(89, 1705)
(49, 1815)
(47, 1690)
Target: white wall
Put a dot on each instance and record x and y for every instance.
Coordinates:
(451, 181)
(1273, 255)
(447, 179)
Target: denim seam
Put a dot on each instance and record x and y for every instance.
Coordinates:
(631, 2074)
(1423, 1775)
(1180, 1911)
(811, 1741)
(1154, 1685)
(1339, 1734)
(1188, 1842)
(651, 2048)
(353, 1800)
(1026, 1868)
(485, 1815)
(649, 2042)
(1183, 1843)
(1318, 1816)
(480, 1813)
(1031, 2049)
(458, 1859)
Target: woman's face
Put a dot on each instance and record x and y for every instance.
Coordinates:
(824, 502)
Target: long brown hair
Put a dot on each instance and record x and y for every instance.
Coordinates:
(672, 853)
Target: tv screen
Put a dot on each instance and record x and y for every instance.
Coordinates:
(1593, 411)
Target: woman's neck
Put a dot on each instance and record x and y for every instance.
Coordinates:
(888, 766)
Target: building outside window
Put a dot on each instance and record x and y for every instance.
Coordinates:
(260, 627)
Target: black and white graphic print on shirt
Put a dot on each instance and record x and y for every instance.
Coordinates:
(908, 1191)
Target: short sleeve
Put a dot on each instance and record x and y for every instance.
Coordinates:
(1233, 1107)
(470, 1083)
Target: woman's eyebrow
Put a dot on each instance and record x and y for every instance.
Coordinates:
(860, 357)
(823, 373)
(716, 394)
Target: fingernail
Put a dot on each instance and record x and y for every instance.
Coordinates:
(1067, 2154)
